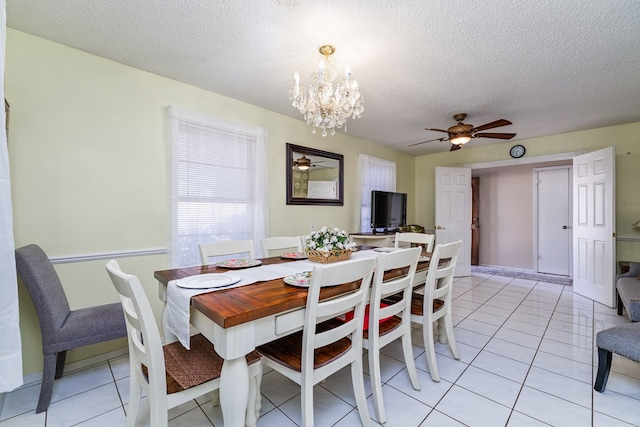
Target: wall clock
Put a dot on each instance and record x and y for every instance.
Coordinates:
(517, 151)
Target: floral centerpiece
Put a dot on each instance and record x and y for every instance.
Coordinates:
(329, 245)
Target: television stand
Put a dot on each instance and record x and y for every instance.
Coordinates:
(373, 239)
(385, 231)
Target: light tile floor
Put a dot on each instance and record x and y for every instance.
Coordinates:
(527, 359)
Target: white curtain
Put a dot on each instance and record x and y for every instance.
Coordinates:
(375, 174)
(219, 188)
(10, 344)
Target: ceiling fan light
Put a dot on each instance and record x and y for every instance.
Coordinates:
(302, 163)
(460, 139)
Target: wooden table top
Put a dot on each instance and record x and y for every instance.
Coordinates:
(234, 306)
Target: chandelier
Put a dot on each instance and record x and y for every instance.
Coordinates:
(321, 106)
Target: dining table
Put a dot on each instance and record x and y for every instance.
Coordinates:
(238, 319)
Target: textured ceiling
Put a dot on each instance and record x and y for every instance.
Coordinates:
(547, 66)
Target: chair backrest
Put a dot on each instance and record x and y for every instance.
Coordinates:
(426, 240)
(145, 344)
(47, 293)
(440, 274)
(274, 246)
(320, 311)
(225, 247)
(404, 258)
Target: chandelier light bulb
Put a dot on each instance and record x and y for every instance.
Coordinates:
(296, 79)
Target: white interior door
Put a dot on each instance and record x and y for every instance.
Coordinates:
(553, 214)
(453, 213)
(594, 225)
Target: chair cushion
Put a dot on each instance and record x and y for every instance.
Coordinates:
(88, 326)
(623, 340)
(349, 315)
(634, 270)
(189, 368)
(412, 228)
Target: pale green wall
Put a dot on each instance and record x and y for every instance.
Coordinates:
(626, 138)
(88, 167)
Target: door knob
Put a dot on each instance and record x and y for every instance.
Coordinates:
(440, 228)
(564, 227)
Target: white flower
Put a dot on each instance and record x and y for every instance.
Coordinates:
(328, 239)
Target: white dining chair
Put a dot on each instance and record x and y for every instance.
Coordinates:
(435, 304)
(326, 344)
(389, 323)
(170, 375)
(225, 247)
(276, 246)
(425, 240)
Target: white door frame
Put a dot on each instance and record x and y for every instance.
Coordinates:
(569, 155)
(536, 235)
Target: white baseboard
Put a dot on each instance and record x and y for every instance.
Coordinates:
(36, 377)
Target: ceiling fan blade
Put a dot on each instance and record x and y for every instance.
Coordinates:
(431, 140)
(437, 130)
(455, 147)
(495, 135)
(496, 124)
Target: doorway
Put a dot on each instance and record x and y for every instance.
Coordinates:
(475, 220)
(506, 223)
(552, 207)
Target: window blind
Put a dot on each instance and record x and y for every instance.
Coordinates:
(219, 185)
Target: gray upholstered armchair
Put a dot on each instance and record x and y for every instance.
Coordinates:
(628, 291)
(62, 328)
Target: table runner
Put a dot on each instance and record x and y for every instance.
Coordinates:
(179, 299)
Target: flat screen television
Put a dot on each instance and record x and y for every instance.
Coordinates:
(388, 210)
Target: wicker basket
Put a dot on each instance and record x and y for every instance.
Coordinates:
(328, 257)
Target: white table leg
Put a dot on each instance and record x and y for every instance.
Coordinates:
(234, 391)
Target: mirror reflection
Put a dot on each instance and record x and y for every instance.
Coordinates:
(313, 176)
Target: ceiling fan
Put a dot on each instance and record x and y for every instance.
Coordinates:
(303, 163)
(462, 133)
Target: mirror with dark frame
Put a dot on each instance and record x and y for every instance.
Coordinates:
(314, 177)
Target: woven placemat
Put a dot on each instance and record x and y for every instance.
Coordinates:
(189, 368)
(192, 367)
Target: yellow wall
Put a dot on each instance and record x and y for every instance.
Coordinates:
(626, 138)
(89, 168)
